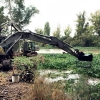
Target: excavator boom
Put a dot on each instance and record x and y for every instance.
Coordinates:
(6, 46)
(14, 38)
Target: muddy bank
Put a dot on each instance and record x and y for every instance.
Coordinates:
(10, 90)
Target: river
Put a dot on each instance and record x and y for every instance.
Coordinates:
(67, 76)
(92, 81)
(56, 51)
(60, 51)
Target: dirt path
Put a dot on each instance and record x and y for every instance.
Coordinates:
(12, 91)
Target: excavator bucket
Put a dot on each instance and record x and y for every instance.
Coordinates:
(84, 60)
(85, 57)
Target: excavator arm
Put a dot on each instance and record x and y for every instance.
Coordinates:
(10, 41)
(14, 38)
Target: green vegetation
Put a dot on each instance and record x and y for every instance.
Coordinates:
(82, 90)
(16, 11)
(62, 62)
(75, 88)
(58, 61)
(87, 30)
(86, 35)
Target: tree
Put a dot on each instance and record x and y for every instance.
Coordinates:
(8, 6)
(22, 14)
(81, 23)
(19, 13)
(39, 31)
(47, 29)
(83, 36)
(67, 31)
(95, 20)
(67, 38)
(57, 32)
(3, 19)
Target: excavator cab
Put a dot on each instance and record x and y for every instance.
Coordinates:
(29, 48)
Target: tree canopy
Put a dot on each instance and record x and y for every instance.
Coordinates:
(47, 29)
(19, 13)
(87, 30)
(3, 18)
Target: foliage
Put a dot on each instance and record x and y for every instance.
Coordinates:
(95, 20)
(81, 24)
(22, 14)
(67, 38)
(8, 6)
(62, 62)
(47, 29)
(80, 89)
(66, 61)
(19, 13)
(83, 36)
(3, 18)
(19, 62)
(56, 33)
(93, 69)
(58, 61)
(67, 31)
(87, 30)
(39, 31)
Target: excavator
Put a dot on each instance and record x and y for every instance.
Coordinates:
(6, 46)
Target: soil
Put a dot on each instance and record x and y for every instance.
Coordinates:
(10, 90)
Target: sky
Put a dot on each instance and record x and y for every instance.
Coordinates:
(60, 13)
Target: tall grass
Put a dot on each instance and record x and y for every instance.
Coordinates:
(43, 91)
